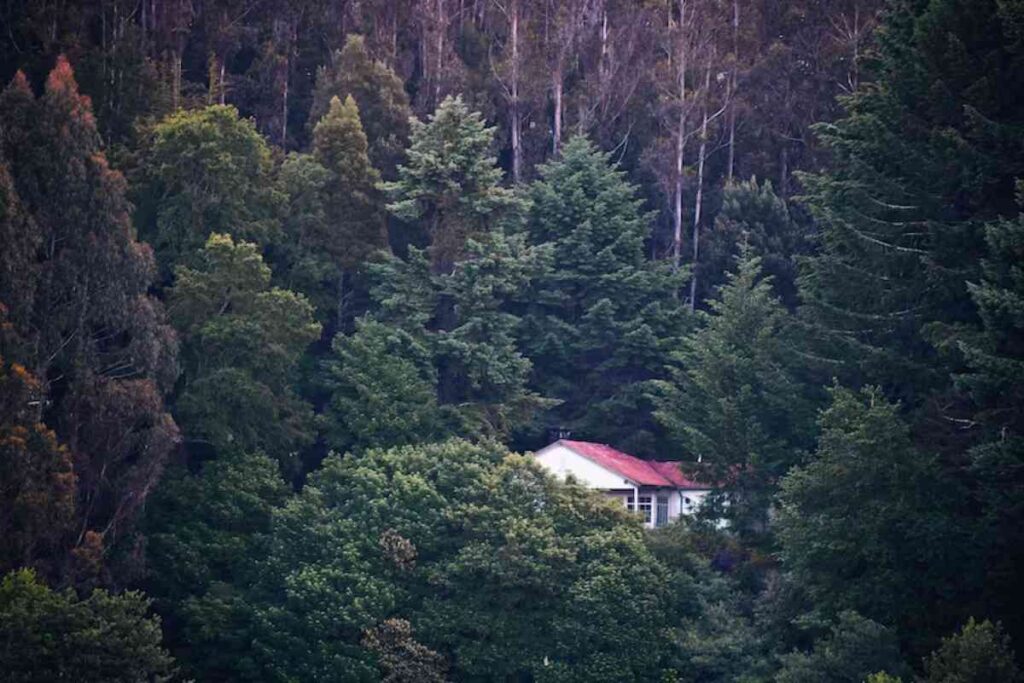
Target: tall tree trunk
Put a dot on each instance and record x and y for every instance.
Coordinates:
(677, 193)
(556, 89)
(732, 88)
(698, 202)
(517, 147)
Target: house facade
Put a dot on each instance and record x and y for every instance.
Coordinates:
(657, 490)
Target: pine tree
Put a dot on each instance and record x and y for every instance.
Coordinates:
(450, 183)
(872, 524)
(379, 94)
(994, 384)
(752, 213)
(241, 343)
(353, 212)
(603, 321)
(922, 160)
(736, 401)
(84, 324)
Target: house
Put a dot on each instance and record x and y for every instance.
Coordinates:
(658, 490)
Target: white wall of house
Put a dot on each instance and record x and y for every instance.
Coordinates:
(563, 461)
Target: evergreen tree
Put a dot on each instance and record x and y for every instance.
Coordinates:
(603, 320)
(978, 653)
(752, 213)
(450, 183)
(205, 171)
(461, 367)
(241, 343)
(51, 636)
(994, 384)
(353, 213)
(736, 401)
(82, 322)
(871, 524)
(379, 95)
(922, 159)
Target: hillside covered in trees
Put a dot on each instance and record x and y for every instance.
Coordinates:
(290, 291)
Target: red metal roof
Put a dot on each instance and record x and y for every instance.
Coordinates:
(643, 472)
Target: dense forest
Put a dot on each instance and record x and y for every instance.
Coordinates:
(290, 291)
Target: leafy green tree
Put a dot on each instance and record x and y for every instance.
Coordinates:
(80, 319)
(205, 171)
(51, 636)
(205, 534)
(854, 649)
(736, 400)
(978, 653)
(502, 570)
(921, 161)
(871, 523)
(241, 343)
(752, 213)
(379, 94)
(450, 182)
(400, 657)
(603, 320)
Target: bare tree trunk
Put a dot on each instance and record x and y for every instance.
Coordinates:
(556, 86)
(677, 194)
(517, 147)
(284, 105)
(698, 202)
(732, 88)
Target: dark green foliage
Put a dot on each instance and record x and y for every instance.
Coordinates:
(205, 171)
(450, 182)
(978, 653)
(52, 636)
(241, 342)
(922, 159)
(379, 95)
(383, 390)
(438, 357)
(871, 524)
(603, 320)
(206, 533)
(736, 401)
(855, 648)
(753, 214)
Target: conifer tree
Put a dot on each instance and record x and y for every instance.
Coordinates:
(994, 384)
(354, 220)
(603, 320)
(736, 401)
(241, 343)
(84, 324)
(379, 94)
(923, 159)
(450, 183)
(872, 524)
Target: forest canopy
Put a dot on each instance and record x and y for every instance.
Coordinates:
(291, 293)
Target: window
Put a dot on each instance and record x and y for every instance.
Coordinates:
(687, 505)
(629, 503)
(645, 508)
(662, 513)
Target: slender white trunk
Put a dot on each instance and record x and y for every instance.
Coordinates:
(556, 86)
(698, 202)
(732, 88)
(517, 151)
(677, 194)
